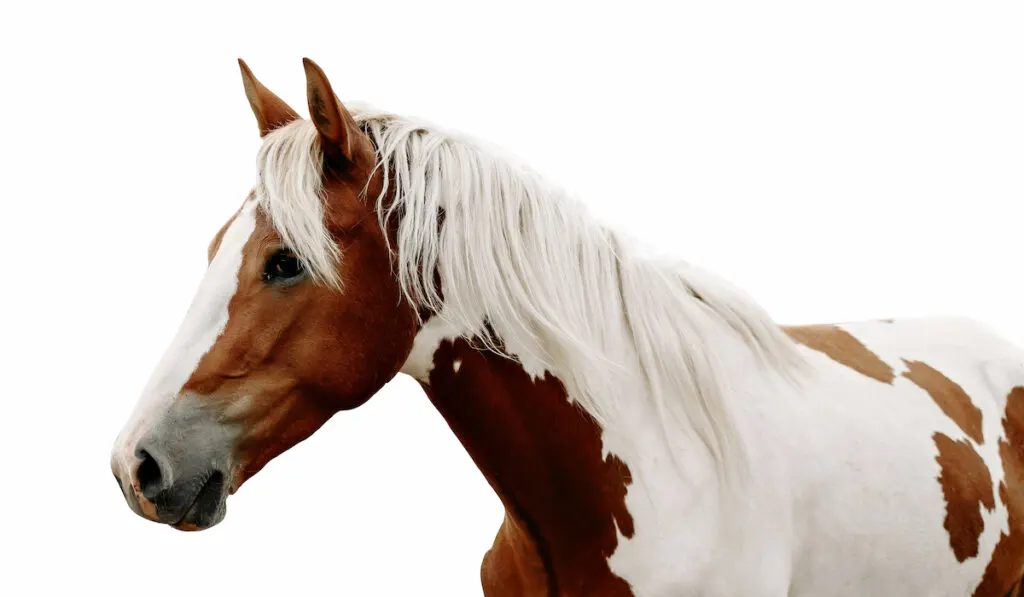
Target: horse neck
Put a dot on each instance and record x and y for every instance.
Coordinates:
(564, 497)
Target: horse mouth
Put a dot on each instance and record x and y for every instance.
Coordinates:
(208, 508)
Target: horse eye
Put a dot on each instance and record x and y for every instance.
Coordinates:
(281, 266)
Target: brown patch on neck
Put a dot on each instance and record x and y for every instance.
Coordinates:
(840, 346)
(967, 486)
(543, 457)
(950, 397)
(1003, 574)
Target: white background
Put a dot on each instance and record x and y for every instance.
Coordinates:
(837, 160)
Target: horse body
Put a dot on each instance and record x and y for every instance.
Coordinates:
(648, 428)
(895, 466)
(861, 478)
(894, 453)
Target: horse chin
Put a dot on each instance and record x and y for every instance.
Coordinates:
(198, 522)
(190, 527)
(208, 509)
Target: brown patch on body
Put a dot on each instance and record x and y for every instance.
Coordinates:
(543, 457)
(967, 486)
(950, 397)
(843, 348)
(1002, 576)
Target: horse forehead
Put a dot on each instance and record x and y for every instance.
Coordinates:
(250, 203)
(214, 245)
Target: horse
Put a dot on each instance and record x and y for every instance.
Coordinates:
(649, 429)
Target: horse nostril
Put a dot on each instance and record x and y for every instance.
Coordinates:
(151, 480)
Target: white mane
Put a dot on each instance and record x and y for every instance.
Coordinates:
(517, 256)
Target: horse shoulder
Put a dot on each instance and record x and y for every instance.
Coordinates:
(513, 565)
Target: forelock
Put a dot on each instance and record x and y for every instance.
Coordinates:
(289, 190)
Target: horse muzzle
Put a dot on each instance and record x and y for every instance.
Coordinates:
(177, 473)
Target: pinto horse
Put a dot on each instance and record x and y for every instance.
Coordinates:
(648, 428)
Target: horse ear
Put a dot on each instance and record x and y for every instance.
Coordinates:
(271, 111)
(336, 126)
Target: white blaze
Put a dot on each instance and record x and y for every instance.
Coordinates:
(204, 322)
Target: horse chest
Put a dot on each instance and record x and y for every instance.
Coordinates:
(520, 564)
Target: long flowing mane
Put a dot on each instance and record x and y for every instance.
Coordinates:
(524, 268)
